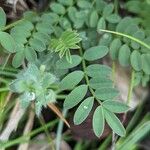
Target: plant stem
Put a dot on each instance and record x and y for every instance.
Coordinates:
(116, 6)
(8, 74)
(61, 96)
(50, 140)
(31, 134)
(127, 36)
(86, 76)
(130, 87)
(59, 130)
(105, 144)
(113, 70)
(12, 25)
(6, 61)
(9, 69)
(113, 147)
(4, 80)
(113, 79)
(5, 89)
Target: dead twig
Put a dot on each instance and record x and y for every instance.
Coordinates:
(13, 121)
(27, 129)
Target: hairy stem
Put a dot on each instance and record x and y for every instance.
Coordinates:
(23, 138)
(116, 6)
(130, 90)
(86, 76)
(127, 36)
(12, 25)
(6, 61)
(59, 130)
(5, 89)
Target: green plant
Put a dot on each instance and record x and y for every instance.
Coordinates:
(62, 48)
(35, 85)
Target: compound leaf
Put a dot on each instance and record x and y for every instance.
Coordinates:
(113, 18)
(7, 42)
(30, 54)
(71, 80)
(18, 59)
(93, 19)
(101, 24)
(75, 96)
(84, 109)
(106, 93)
(146, 63)
(2, 18)
(114, 123)
(124, 55)
(57, 8)
(97, 83)
(64, 64)
(97, 70)
(66, 2)
(114, 48)
(108, 10)
(95, 53)
(136, 61)
(115, 106)
(98, 121)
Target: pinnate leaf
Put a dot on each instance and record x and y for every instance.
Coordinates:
(66, 2)
(108, 10)
(98, 121)
(84, 4)
(7, 42)
(93, 19)
(71, 80)
(106, 93)
(57, 8)
(114, 48)
(18, 59)
(115, 106)
(97, 83)
(146, 63)
(95, 53)
(124, 55)
(2, 18)
(83, 110)
(64, 64)
(114, 123)
(136, 61)
(101, 24)
(30, 54)
(97, 70)
(113, 18)
(75, 96)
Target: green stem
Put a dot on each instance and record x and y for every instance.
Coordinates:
(31, 134)
(5, 89)
(127, 36)
(61, 96)
(50, 140)
(12, 25)
(93, 2)
(116, 6)
(86, 76)
(59, 130)
(10, 69)
(130, 90)
(105, 144)
(113, 70)
(4, 80)
(6, 61)
(8, 74)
